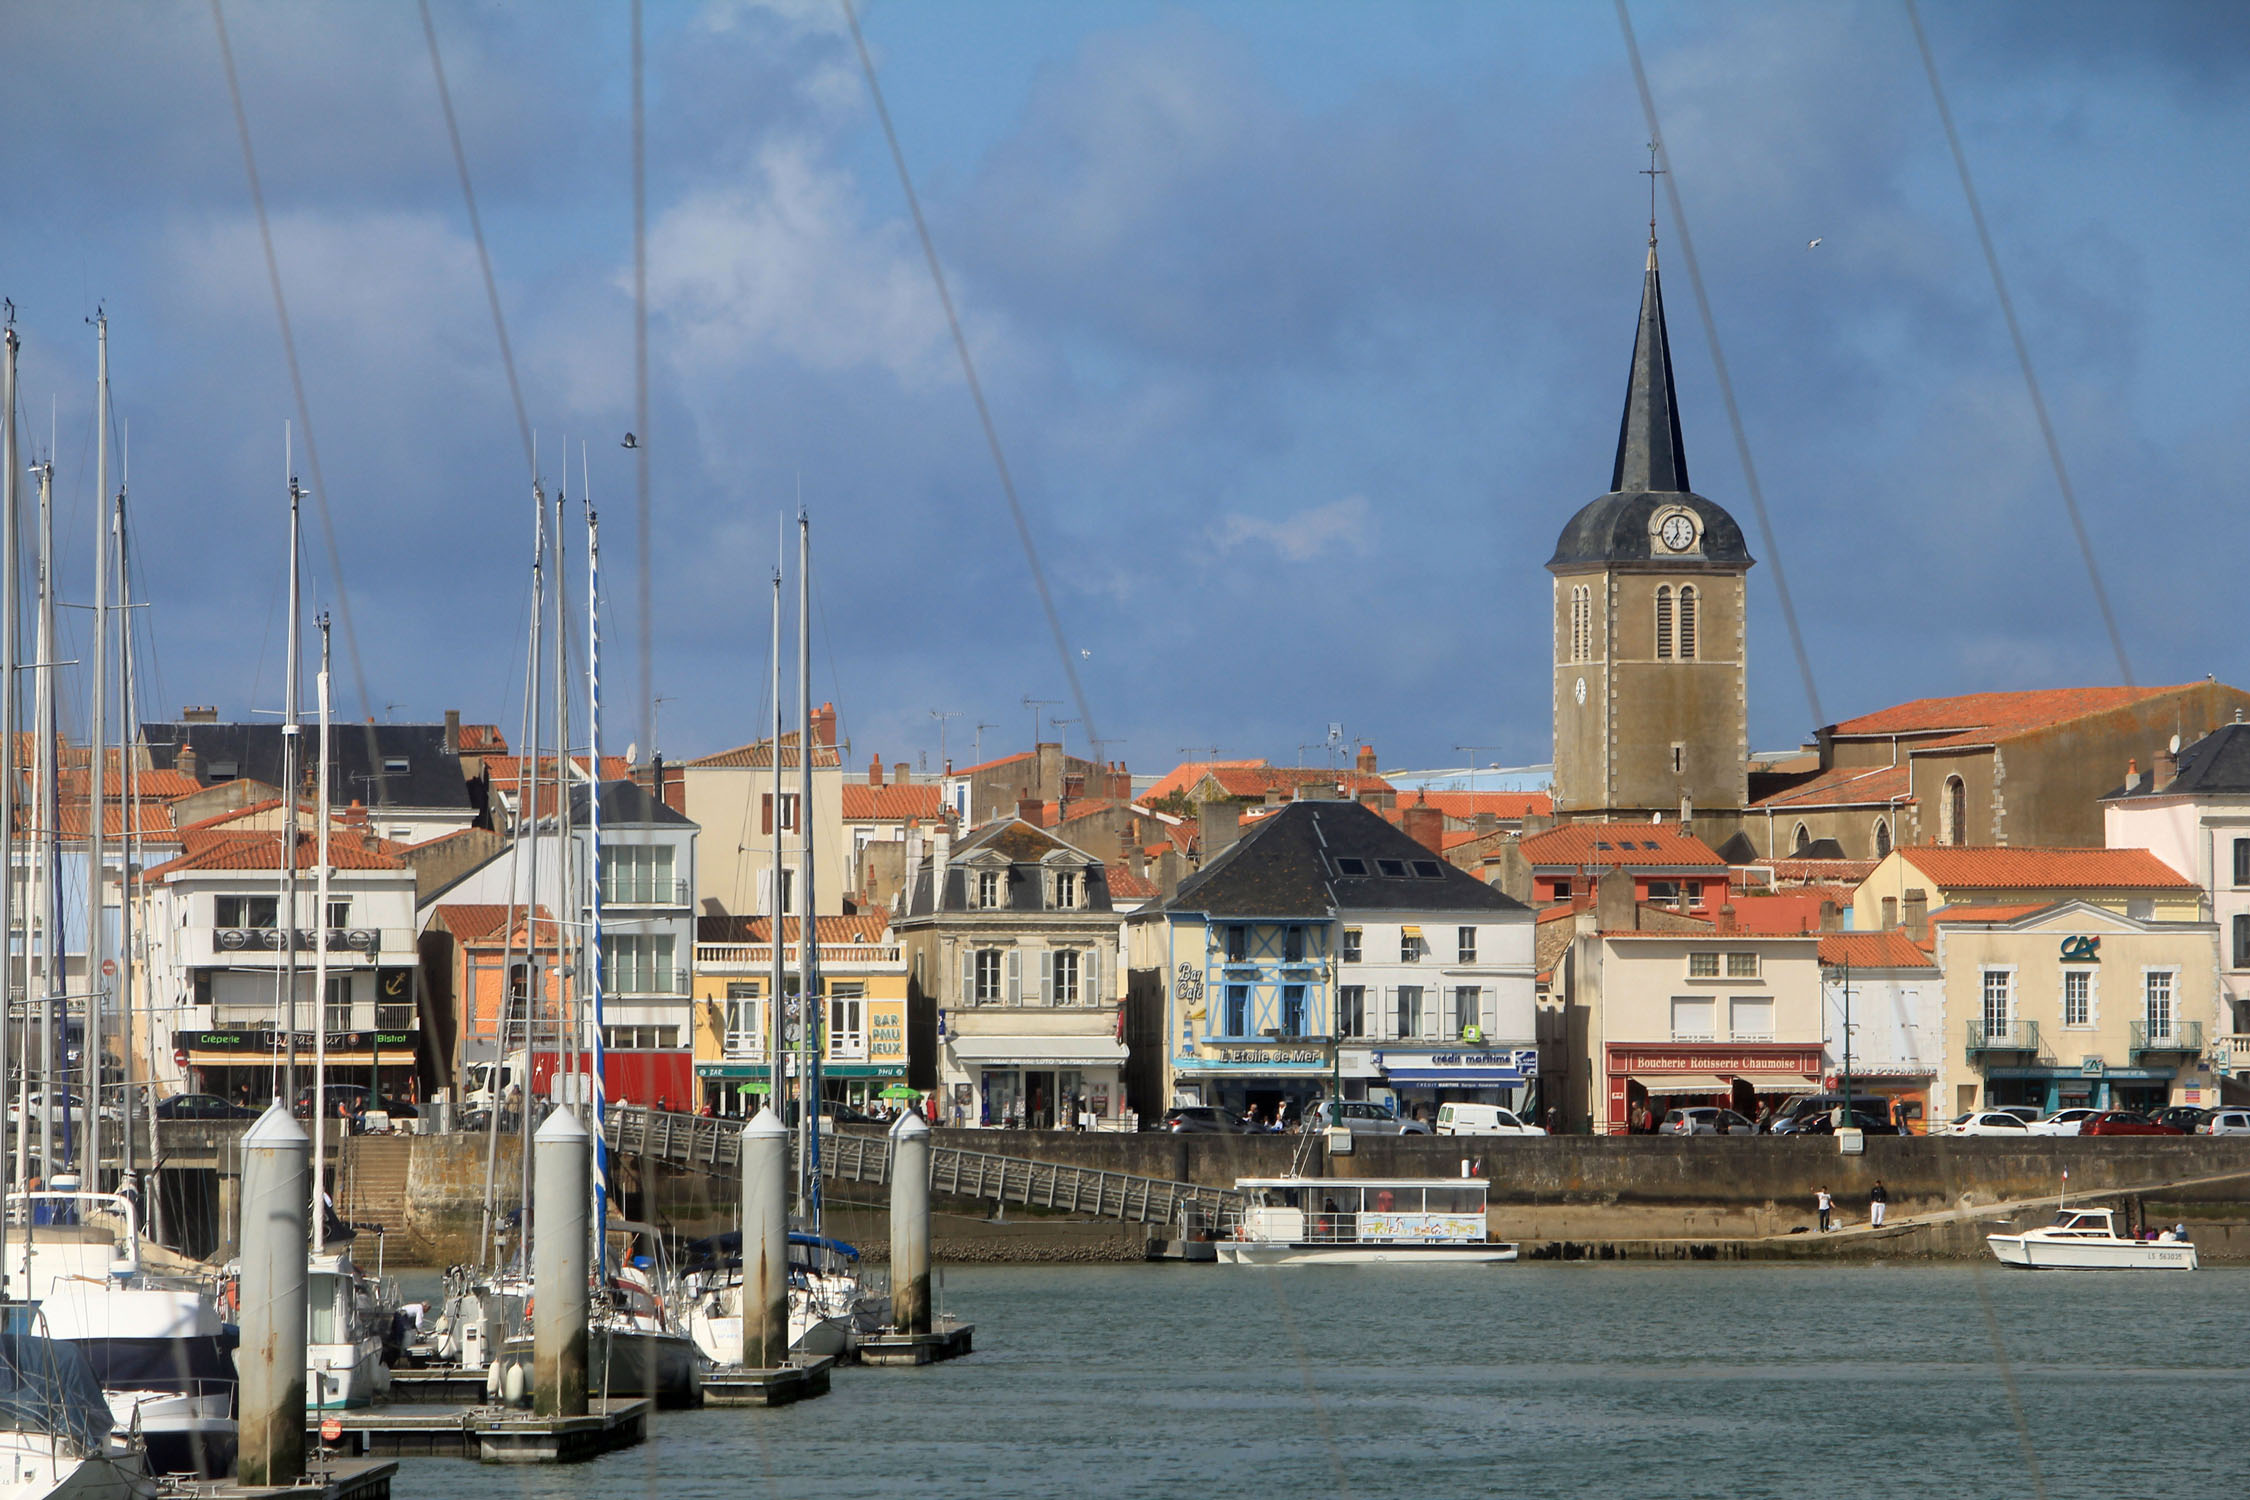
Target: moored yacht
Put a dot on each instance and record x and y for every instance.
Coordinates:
(2086, 1239)
(345, 1324)
(829, 1308)
(58, 1437)
(1294, 1221)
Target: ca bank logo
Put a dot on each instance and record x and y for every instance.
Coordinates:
(2081, 950)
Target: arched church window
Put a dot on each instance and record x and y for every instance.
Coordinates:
(1664, 622)
(1882, 838)
(1802, 841)
(1956, 815)
(1581, 623)
(1687, 622)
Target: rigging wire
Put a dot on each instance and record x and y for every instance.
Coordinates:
(476, 230)
(1719, 366)
(2015, 337)
(969, 373)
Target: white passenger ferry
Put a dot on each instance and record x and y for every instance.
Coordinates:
(2086, 1239)
(1292, 1221)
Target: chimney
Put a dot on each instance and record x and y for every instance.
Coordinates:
(1535, 824)
(941, 855)
(1136, 860)
(1917, 912)
(2166, 768)
(1028, 809)
(1725, 922)
(1890, 912)
(1487, 823)
(1426, 826)
(453, 731)
(2132, 772)
(184, 762)
(1120, 782)
(1048, 758)
(1615, 908)
(1168, 870)
(1221, 826)
(1831, 917)
(1365, 764)
(875, 770)
(1275, 796)
(824, 725)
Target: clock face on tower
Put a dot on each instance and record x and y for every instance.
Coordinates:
(1581, 690)
(1678, 531)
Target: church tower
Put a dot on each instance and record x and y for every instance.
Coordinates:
(1651, 713)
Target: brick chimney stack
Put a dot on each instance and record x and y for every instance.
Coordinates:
(1425, 825)
(1031, 810)
(1916, 913)
(2164, 768)
(1365, 764)
(875, 770)
(824, 725)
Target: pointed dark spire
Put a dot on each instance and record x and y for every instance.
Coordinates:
(1650, 455)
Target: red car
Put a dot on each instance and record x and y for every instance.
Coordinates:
(2125, 1122)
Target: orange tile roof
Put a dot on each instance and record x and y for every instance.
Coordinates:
(857, 929)
(1996, 913)
(992, 765)
(490, 923)
(1851, 871)
(1891, 949)
(1796, 910)
(893, 802)
(482, 739)
(162, 785)
(760, 753)
(1846, 786)
(264, 851)
(1507, 806)
(1257, 780)
(1616, 844)
(2007, 867)
(1187, 774)
(507, 770)
(1988, 716)
(1123, 882)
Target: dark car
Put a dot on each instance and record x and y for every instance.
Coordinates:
(201, 1107)
(1798, 1108)
(2125, 1122)
(1704, 1119)
(1203, 1119)
(2185, 1118)
(1826, 1124)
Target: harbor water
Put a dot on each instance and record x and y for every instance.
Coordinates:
(1728, 1381)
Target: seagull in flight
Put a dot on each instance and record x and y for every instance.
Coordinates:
(1811, 244)
(634, 442)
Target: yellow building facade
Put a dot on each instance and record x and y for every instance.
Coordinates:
(861, 1012)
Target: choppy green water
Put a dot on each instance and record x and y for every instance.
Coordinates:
(1731, 1381)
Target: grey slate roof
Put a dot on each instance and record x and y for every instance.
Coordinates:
(1651, 468)
(1025, 845)
(2214, 766)
(626, 804)
(1287, 865)
(431, 779)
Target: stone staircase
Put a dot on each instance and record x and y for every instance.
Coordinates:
(371, 1184)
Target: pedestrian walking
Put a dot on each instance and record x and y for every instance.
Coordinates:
(1878, 1199)
(1826, 1205)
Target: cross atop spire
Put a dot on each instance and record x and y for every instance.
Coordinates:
(1650, 455)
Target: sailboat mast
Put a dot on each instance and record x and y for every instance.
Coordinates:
(566, 890)
(593, 956)
(776, 891)
(122, 617)
(530, 814)
(320, 962)
(96, 736)
(291, 731)
(128, 738)
(8, 643)
(49, 888)
(808, 970)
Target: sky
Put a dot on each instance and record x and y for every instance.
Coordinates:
(1303, 326)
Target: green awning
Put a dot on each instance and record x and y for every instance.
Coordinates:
(863, 1070)
(900, 1091)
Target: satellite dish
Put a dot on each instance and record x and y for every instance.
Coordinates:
(2175, 744)
(632, 752)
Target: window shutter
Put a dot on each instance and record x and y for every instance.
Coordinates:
(968, 976)
(765, 812)
(1395, 1009)
(765, 893)
(1015, 976)
(1090, 982)
(1046, 976)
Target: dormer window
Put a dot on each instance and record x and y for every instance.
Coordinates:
(395, 765)
(1066, 890)
(988, 889)
(1395, 869)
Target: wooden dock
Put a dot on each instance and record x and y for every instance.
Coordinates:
(493, 1435)
(325, 1479)
(437, 1385)
(949, 1340)
(793, 1382)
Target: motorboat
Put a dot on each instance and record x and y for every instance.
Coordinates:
(830, 1308)
(2086, 1239)
(346, 1323)
(58, 1436)
(1293, 1221)
(159, 1345)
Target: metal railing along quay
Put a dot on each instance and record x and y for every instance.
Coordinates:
(714, 1145)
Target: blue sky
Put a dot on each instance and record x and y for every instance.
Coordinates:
(1305, 327)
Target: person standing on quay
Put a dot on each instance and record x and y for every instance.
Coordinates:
(1878, 1199)
(1826, 1205)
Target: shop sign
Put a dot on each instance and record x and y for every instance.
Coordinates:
(886, 1029)
(1711, 1060)
(1524, 1060)
(263, 1042)
(1271, 1055)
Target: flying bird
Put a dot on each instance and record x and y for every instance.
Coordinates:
(1810, 244)
(634, 442)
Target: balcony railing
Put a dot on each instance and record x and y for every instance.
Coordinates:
(2178, 1036)
(2012, 1036)
(395, 1018)
(644, 891)
(645, 981)
(2232, 1053)
(757, 957)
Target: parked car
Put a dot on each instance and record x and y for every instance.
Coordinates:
(1704, 1119)
(54, 1107)
(202, 1107)
(2063, 1121)
(1482, 1119)
(1867, 1124)
(2185, 1118)
(1203, 1119)
(2125, 1122)
(2226, 1122)
(1987, 1122)
(2024, 1112)
(1800, 1107)
(1367, 1117)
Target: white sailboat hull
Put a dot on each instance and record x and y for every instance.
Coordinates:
(1276, 1253)
(2037, 1252)
(38, 1466)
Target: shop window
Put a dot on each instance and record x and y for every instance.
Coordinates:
(1351, 1010)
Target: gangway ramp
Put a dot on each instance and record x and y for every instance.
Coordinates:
(704, 1143)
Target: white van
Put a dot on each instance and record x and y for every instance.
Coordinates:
(1481, 1119)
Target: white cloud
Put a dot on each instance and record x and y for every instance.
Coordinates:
(1303, 536)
